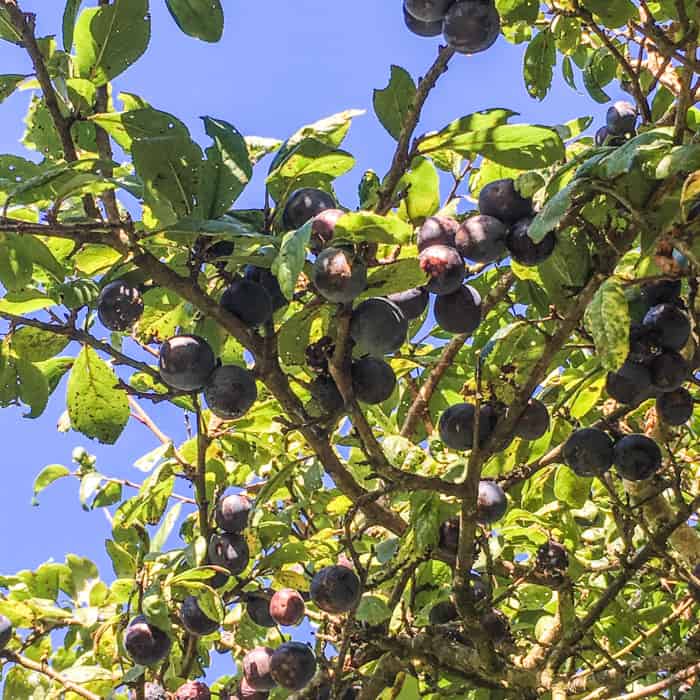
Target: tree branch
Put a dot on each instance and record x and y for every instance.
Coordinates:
(450, 351)
(82, 337)
(566, 647)
(402, 156)
(50, 673)
(24, 24)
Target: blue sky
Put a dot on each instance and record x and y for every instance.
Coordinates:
(280, 65)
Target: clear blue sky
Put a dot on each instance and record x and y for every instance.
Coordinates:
(280, 65)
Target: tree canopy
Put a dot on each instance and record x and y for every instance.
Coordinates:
(453, 424)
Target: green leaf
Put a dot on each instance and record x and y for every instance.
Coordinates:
(54, 369)
(522, 146)
(612, 14)
(96, 406)
(290, 260)
(25, 302)
(518, 10)
(574, 127)
(310, 164)
(538, 68)
(273, 483)
(632, 154)
(110, 38)
(368, 190)
(422, 185)
(394, 277)
(9, 83)
(108, 494)
(373, 609)
(330, 130)
(479, 121)
(42, 256)
(425, 519)
(598, 72)
(231, 162)
(288, 553)
(155, 607)
(123, 563)
(143, 123)
(170, 169)
(567, 70)
(70, 14)
(48, 475)
(33, 387)
(305, 327)
(393, 103)
(680, 159)
(36, 345)
(8, 31)
(608, 320)
(367, 226)
(166, 528)
(15, 264)
(202, 19)
(571, 489)
(258, 147)
(41, 135)
(553, 211)
(88, 486)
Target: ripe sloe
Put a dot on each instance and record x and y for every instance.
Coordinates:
(186, 362)
(293, 665)
(459, 312)
(675, 407)
(637, 457)
(335, 589)
(119, 306)
(232, 512)
(444, 267)
(304, 204)
(502, 200)
(589, 452)
(523, 249)
(248, 301)
(230, 392)
(338, 275)
(378, 327)
(373, 380)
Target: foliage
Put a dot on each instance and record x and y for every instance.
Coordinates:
(373, 485)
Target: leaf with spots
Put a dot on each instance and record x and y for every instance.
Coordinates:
(110, 38)
(608, 320)
(96, 406)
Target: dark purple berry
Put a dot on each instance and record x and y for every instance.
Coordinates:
(304, 204)
(186, 362)
(336, 589)
(412, 302)
(444, 267)
(637, 457)
(119, 306)
(230, 392)
(248, 301)
(501, 200)
(232, 512)
(459, 312)
(523, 249)
(589, 452)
